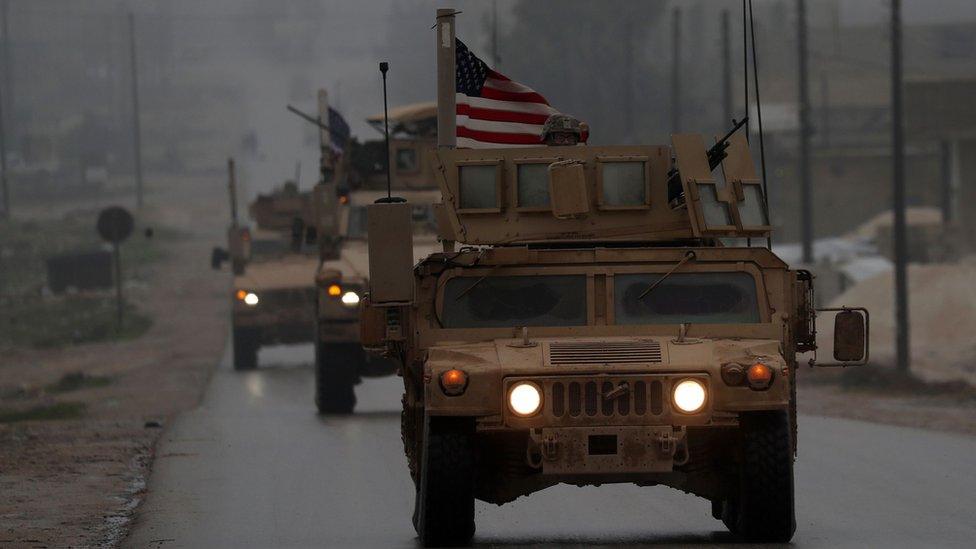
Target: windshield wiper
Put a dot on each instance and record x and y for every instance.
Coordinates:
(688, 257)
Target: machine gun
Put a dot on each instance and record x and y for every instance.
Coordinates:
(716, 154)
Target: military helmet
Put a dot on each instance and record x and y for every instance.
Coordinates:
(561, 123)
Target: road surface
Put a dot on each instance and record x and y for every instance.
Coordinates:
(255, 467)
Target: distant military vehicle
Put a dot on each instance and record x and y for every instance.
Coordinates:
(274, 264)
(342, 277)
(607, 322)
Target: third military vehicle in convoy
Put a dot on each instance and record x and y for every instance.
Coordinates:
(606, 321)
(273, 264)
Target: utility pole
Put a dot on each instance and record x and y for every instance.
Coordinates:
(806, 206)
(898, 181)
(136, 130)
(824, 110)
(8, 75)
(727, 114)
(495, 59)
(676, 70)
(628, 82)
(945, 155)
(4, 97)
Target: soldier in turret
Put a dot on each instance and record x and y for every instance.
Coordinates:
(562, 130)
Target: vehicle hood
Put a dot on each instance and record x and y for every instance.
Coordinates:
(291, 271)
(613, 354)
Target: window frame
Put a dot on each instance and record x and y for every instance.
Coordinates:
(604, 159)
(416, 169)
(499, 179)
(514, 178)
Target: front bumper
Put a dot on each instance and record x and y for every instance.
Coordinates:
(606, 450)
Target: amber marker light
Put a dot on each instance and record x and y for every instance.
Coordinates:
(334, 290)
(454, 382)
(759, 376)
(241, 294)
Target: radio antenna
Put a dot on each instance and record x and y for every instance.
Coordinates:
(384, 66)
(755, 77)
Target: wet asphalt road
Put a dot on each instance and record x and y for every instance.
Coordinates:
(255, 467)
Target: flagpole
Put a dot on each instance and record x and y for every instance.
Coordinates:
(446, 84)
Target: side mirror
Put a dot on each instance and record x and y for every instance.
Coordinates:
(567, 189)
(851, 336)
(850, 341)
(217, 257)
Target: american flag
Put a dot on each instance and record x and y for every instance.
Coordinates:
(494, 111)
(338, 131)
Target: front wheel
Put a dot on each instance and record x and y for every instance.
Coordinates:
(335, 375)
(246, 343)
(762, 510)
(444, 513)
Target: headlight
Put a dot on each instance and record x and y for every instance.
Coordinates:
(689, 396)
(350, 299)
(525, 399)
(250, 298)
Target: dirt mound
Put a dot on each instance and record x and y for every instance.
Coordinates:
(942, 319)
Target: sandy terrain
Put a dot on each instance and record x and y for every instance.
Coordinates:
(75, 482)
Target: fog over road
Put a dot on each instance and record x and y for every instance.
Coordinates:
(255, 467)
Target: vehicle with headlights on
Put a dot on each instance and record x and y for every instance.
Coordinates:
(274, 266)
(340, 361)
(607, 322)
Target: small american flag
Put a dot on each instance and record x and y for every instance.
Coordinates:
(494, 111)
(338, 131)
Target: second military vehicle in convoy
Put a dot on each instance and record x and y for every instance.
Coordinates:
(350, 182)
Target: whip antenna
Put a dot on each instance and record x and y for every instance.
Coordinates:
(762, 145)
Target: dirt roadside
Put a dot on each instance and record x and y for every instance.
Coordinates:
(75, 482)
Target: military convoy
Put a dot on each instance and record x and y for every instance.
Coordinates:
(612, 315)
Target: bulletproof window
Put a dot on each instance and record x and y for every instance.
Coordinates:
(356, 227)
(511, 301)
(406, 160)
(752, 209)
(623, 184)
(478, 187)
(533, 185)
(715, 211)
(699, 298)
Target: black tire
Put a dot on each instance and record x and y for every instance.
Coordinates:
(444, 512)
(336, 367)
(247, 341)
(763, 510)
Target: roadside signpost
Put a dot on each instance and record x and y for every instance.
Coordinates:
(114, 226)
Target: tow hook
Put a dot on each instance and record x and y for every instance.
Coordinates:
(550, 447)
(668, 443)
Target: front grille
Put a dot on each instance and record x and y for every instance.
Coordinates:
(635, 397)
(582, 353)
(297, 298)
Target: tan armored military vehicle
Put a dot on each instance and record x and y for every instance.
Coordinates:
(596, 328)
(273, 292)
(342, 276)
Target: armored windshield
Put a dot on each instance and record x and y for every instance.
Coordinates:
(503, 301)
(262, 248)
(422, 215)
(700, 298)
